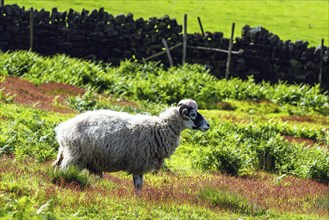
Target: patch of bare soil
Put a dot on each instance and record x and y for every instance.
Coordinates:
(42, 96)
(309, 119)
(305, 141)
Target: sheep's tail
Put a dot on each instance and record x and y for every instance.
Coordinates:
(59, 159)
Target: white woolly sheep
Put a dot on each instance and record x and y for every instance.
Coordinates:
(109, 141)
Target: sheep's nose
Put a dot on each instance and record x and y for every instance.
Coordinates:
(205, 127)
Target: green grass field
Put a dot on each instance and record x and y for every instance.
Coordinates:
(289, 19)
(265, 156)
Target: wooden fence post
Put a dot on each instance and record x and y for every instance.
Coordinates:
(2, 3)
(31, 28)
(164, 42)
(184, 39)
(228, 63)
(201, 27)
(321, 62)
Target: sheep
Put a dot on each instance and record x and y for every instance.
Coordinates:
(109, 141)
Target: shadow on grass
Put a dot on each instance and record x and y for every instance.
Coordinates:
(232, 201)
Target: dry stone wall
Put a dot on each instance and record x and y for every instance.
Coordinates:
(98, 35)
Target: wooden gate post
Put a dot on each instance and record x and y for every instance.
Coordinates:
(228, 63)
(321, 62)
(31, 28)
(201, 27)
(184, 39)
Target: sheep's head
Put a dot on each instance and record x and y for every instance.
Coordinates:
(188, 110)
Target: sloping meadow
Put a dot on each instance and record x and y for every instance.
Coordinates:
(250, 124)
(234, 148)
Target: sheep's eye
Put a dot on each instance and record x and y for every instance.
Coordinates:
(193, 114)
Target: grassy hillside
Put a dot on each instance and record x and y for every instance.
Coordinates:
(289, 19)
(265, 156)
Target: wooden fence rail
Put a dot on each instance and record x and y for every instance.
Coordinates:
(215, 49)
(162, 52)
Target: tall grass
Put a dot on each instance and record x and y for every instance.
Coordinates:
(151, 82)
(27, 132)
(241, 149)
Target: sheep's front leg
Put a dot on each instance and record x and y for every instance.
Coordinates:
(138, 183)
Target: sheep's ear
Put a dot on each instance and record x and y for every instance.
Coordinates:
(183, 112)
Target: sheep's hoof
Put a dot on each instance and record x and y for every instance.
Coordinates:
(56, 163)
(138, 183)
(99, 174)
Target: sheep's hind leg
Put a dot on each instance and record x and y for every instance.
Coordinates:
(70, 162)
(94, 171)
(138, 183)
(59, 159)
